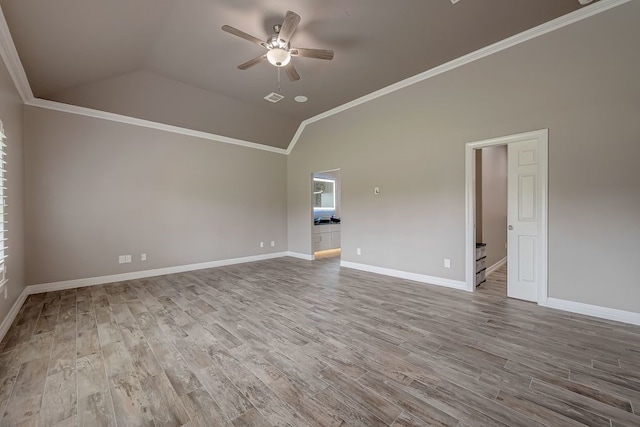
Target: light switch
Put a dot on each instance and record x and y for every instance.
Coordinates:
(376, 190)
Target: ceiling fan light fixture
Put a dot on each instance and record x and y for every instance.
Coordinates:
(279, 57)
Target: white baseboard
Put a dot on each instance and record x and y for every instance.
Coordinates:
(101, 280)
(439, 281)
(11, 316)
(593, 310)
(570, 306)
(496, 266)
(301, 256)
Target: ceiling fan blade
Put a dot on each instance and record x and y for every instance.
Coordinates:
(243, 35)
(252, 62)
(289, 26)
(291, 72)
(312, 53)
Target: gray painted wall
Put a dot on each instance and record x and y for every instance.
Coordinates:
(494, 202)
(97, 189)
(580, 82)
(11, 116)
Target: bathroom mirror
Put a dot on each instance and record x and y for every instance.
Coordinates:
(324, 194)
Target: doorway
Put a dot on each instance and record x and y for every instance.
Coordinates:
(326, 206)
(527, 178)
(491, 219)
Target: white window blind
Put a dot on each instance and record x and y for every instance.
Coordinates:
(3, 208)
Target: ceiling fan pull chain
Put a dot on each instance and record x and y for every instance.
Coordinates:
(278, 79)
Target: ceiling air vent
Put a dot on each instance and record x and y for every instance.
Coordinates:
(274, 97)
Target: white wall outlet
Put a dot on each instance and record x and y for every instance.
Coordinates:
(262, 244)
(122, 259)
(376, 190)
(127, 258)
(273, 243)
(447, 263)
(358, 251)
(143, 257)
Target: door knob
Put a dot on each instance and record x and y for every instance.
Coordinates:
(510, 227)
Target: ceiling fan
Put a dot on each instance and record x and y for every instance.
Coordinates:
(278, 45)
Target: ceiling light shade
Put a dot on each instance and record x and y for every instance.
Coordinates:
(278, 57)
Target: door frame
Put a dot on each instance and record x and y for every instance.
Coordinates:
(470, 204)
(312, 257)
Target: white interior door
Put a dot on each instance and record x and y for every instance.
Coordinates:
(523, 219)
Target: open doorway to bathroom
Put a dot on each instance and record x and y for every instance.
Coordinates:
(326, 196)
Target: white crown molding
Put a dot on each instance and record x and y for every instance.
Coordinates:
(10, 56)
(11, 315)
(89, 112)
(422, 278)
(496, 266)
(11, 59)
(517, 39)
(16, 70)
(101, 280)
(593, 310)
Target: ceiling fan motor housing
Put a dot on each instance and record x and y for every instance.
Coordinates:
(274, 43)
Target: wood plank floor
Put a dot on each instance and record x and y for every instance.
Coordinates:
(292, 342)
(496, 283)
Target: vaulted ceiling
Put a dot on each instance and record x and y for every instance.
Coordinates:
(169, 61)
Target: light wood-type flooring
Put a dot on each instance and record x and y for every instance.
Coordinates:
(496, 283)
(299, 343)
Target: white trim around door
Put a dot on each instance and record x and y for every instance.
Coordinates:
(470, 203)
